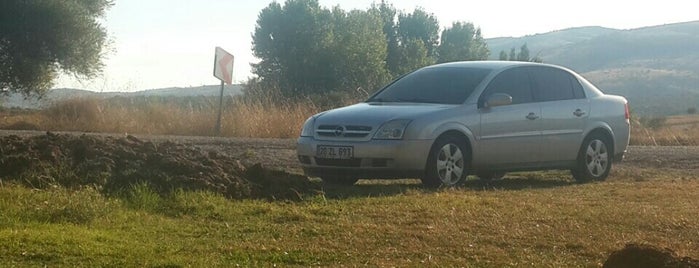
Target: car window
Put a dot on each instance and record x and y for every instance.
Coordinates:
(577, 88)
(514, 82)
(552, 84)
(447, 85)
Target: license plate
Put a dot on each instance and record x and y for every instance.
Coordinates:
(334, 152)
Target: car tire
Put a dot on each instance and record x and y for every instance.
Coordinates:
(489, 176)
(594, 159)
(339, 181)
(447, 163)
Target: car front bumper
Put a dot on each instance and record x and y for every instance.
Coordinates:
(374, 159)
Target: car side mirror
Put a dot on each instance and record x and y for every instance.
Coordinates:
(498, 99)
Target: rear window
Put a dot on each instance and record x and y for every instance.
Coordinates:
(446, 85)
(552, 84)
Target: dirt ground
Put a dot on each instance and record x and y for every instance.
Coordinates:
(114, 163)
(280, 153)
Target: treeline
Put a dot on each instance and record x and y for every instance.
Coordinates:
(305, 49)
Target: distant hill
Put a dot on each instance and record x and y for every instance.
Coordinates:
(19, 101)
(656, 68)
(545, 42)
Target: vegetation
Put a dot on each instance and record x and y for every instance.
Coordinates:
(38, 39)
(305, 49)
(242, 117)
(462, 42)
(520, 221)
(522, 55)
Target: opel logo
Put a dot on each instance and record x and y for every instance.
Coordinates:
(339, 130)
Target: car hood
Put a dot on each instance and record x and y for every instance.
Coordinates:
(375, 114)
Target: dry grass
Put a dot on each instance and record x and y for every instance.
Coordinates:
(680, 130)
(269, 117)
(240, 118)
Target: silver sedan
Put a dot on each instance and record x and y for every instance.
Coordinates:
(444, 122)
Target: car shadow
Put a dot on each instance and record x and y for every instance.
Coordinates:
(373, 188)
(381, 188)
(514, 184)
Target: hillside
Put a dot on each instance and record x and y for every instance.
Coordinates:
(656, 68)
(19, 101)
(544, 42)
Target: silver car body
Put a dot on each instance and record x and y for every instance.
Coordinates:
(529, 136)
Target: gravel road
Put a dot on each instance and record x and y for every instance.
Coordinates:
(280, 153)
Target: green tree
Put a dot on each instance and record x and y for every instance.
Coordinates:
(503, 55)
(305, 49)
(360, 50)
(523, 55)
(413, 55)
(419, 25)
(294, 45)
(40, 39)
(388, 13)
(462, 42)
(417, 36)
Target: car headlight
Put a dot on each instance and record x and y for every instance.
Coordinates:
(307, 130)
(392, 130)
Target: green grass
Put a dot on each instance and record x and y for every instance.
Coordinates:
(529, 219)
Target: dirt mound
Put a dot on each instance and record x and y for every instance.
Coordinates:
(640, 255)
(113, 164)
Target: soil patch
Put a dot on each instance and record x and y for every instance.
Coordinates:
(640, 255)
(114, 164)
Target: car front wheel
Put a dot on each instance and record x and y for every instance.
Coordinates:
(594, 160)
(447, 163)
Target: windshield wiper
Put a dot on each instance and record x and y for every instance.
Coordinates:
(380, 100)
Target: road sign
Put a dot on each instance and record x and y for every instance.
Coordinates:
(223, 66)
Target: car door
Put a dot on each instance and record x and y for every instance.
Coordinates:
(510, 134)
(564, 112)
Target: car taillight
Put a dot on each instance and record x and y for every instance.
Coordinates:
(627, 114)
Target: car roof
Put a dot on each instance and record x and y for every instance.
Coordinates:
(493, 65)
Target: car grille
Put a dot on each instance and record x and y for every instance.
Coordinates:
(343, 131)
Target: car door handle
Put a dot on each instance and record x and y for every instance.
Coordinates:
(579, 113)
(532, 116)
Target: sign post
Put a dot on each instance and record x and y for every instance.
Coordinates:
(223, 70)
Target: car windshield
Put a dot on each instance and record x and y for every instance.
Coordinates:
(444, 85)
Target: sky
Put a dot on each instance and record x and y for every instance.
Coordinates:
(171, 43)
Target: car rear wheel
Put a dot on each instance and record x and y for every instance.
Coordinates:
(594, 159)
(447, 163)
(339, 181)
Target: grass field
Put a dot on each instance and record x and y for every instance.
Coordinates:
(531, 219)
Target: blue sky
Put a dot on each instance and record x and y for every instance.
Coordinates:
(170, 43)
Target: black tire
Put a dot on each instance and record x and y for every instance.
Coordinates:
(594, 159)
(448, 162)
(491, 175)
(339, 181)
